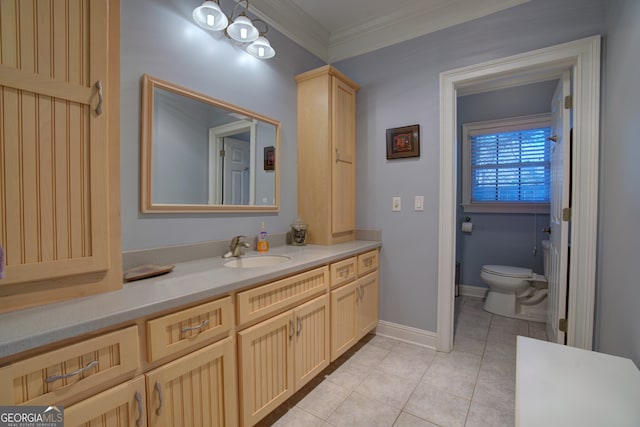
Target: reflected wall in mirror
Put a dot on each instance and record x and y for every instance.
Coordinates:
(200, 154)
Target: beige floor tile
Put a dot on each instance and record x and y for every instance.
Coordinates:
(496, 393)
(404, 364)
(387, 388)
(359, 410)
(384, 342)
(468, 345)
(500, 351)
(369, 355)
(437, 406)
(507, 324)
(407, 420)
(298, 418)
(483, 416)
(471, 329)
(349, 375)
(323, 399)
(538, 330)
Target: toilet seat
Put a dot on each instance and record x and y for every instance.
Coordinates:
(508, 271)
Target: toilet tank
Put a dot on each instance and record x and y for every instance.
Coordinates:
(546, 249)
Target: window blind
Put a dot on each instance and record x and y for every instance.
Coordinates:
(510, 166)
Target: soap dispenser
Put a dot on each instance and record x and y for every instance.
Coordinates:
(263, 243)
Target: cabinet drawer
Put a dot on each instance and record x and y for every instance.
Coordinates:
(58, 375)
(367, 262)
(343, 271)
(187, 328)
(268, 299)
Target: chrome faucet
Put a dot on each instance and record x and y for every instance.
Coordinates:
(235, 247)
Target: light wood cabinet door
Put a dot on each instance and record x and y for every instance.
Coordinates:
(327, 155)
(266, 366)
(121, 406)
(311, 340)
(343, 319)
(367, 302)
(343, 166)
(56, 181)
(195, 390)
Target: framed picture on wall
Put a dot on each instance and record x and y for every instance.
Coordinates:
(403, 142)
(269, 158)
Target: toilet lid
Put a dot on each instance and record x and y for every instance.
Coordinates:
(508, 271)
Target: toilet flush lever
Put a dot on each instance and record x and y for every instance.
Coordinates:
(547, 230)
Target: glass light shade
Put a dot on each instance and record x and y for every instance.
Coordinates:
(210, 17)
(243, 30)
(261, 48)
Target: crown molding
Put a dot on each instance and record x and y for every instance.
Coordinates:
(394, 27)
(289, 19)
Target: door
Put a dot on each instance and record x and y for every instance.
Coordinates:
(198, 389)
(343, 318)
(53, 139)
(560, 188)
(237, 155)
(120, 406)
(312, 339)
(367, 302)
(343, 167)
(266, 366)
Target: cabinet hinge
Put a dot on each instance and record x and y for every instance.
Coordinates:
(222, 153)
(562, 325)
(568, 102)
(566, 214)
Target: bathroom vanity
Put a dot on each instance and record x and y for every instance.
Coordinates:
(161, 350)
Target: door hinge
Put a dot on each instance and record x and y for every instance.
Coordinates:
(222, 153)
(566, 214)
(562, 325)
(568, 102)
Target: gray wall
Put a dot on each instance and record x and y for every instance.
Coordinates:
(400, 86)
(618, 269)
(507, 239)
(159, 37)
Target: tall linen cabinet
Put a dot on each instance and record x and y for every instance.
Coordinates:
(59, 149)
(327, 155)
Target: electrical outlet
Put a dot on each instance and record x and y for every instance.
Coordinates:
(396, 204)
(419, 203)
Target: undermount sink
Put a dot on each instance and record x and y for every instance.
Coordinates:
(256, 261)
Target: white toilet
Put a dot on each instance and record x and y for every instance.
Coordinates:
(517, 292)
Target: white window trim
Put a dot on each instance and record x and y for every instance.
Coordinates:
(495, 126)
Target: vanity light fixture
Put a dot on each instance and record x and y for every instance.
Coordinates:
(209, 15)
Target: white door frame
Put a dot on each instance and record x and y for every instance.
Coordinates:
(583, 57)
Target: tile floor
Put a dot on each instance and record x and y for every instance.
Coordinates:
(384, 382)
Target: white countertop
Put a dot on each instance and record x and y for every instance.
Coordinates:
(557, 385)
(188, 283)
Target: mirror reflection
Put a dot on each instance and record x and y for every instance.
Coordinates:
(202, 154)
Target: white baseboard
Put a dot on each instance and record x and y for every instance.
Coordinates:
(473, 291)
(407, 334)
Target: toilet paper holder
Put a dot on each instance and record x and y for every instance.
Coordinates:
(467, 219)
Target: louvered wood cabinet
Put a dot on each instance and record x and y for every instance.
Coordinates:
(354, 301)
(282, 353)
(59, 149)
(327, 155)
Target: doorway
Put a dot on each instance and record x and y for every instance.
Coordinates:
(583, 58)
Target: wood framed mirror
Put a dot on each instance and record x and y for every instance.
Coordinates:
(201, 154)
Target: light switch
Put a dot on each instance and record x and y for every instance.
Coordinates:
(419, 203)
(395, 204)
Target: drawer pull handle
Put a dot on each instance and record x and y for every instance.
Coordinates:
(140, 409)
(299, 326)
(71, 374)
(291, 330)
(195, 328)
(368, 262)
(159, 390)
(99, 107)
(344, 273)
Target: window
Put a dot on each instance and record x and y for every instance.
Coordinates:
(507, 165)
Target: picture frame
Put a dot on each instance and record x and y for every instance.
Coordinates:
(269, 158)
(403, 142)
